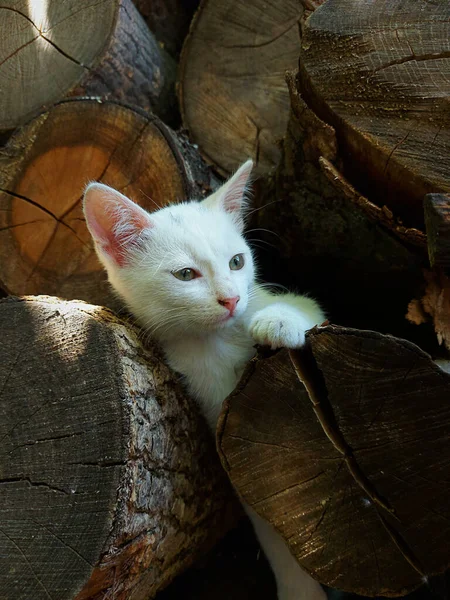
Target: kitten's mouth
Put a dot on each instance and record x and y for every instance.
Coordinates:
(225, 318)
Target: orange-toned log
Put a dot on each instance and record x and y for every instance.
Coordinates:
(45, 247)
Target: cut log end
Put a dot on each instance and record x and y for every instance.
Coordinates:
(79, 48)
(45, 246)
(233, 96)
(327, 444)
(380, 76)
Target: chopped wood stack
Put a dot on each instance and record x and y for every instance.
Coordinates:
(343, 446)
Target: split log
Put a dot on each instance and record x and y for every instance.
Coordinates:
(109, 482)
(52, 50)
(45, 246)
(380, 75)
(168, 20)
(343, 447)
(233, 97)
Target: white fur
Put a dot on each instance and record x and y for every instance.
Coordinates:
(185, 316)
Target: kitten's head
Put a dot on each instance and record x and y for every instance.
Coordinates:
(183, 269)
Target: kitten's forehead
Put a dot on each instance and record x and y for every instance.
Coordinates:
(194, 225)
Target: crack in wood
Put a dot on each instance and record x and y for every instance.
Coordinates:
(286, 489)
(37, 484)
(65, 544)
(412, 58)
(28, 563)
(41, 35)
(44, 209)
(311, 377)
(291, 25)
(401, 544)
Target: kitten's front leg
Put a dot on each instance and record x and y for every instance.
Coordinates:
(282, 321)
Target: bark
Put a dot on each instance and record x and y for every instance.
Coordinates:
(168, 20)
(335, 446)
(51, 51)
(44, 243)
(232, 93)
(110, 484)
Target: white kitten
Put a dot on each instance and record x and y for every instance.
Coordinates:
(188, 276)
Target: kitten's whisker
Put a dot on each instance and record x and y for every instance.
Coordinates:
(151, 199)
(261, 207)
(272, 285)
(256, 242)
(262, 229)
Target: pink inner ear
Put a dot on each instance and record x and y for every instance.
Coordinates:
(114, 221)
(234, 196)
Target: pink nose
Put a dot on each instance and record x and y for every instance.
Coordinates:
(229, 303)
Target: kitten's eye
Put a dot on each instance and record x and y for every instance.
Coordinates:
(185, 274)
(237, 262)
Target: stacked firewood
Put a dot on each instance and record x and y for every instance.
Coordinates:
(109, 482)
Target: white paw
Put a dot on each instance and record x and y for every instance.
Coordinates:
(278, 328)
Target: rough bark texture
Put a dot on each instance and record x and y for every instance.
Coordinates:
(233, 97)
(52, 50)
(437, 222)
(44, 243)
(109, 484)
(379, 72)
(168, 20)
(344, 448)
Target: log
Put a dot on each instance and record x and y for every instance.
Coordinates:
(52, 50)
(336, 447)
(232, 93)
(330, 240)
(380, 75)
(437, 222)
(168, 20)
(45, 246)
(109, 483)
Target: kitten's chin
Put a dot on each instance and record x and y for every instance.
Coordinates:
(227, 320)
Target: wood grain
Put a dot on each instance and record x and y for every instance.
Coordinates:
(351, 466)
(379, 72)
(52, 50)
(45, 246)
(233, 96)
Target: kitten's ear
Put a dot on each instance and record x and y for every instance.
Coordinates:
(232, 195)
(115, 223)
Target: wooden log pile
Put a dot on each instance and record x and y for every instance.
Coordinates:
(109, 483)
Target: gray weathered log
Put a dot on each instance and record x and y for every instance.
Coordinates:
(109, 480)
(53, 50)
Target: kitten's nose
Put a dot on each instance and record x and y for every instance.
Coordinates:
(229, 303)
